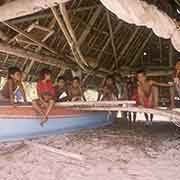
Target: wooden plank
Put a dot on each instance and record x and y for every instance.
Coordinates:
(56, 151)
(96, 103)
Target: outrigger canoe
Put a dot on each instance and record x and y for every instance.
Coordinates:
(22, 122)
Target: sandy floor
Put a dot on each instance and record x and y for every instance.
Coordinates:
(108, 154)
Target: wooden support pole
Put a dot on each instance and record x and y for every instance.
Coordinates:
(141, 48)
(30, 37)
(112, 38)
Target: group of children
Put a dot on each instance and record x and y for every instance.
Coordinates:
(144, 92)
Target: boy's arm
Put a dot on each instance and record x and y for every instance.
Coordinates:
(10, 89)
(155, 83)
(21, 87)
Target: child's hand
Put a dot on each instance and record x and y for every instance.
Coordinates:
(171, 84)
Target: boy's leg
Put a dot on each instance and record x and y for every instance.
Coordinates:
(147, 119)
(151, 118)
(49, 108)
(37, 107)
(134, 117)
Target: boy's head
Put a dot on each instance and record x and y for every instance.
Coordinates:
(14, 73)
(76, 82)
(141, 75)
(110, 81)
(61, 81)
(177, 66)
(45, 74)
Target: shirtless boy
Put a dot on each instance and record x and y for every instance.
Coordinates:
(148, 93)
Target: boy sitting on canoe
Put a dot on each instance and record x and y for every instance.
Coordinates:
(12, 85)
(148, 93)
(46, 95)
(75, 90)
(108, 91)
(61, 90)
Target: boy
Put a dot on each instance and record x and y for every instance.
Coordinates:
(75, 91)
(109, 91)
(12, 85)
(148, 93)
(46, 95)
(61, 90)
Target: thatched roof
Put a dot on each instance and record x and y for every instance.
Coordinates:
(82, 35)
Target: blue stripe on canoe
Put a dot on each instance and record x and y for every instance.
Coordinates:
(16, 129)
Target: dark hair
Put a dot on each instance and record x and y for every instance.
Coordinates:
(76, 79)
(60, 78)
(12, 71)
(141, 71)
(110, 77)
(44, 72)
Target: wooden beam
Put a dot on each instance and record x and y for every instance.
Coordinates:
(112, 38)
(68, 38)
(71, 32)
(30, 37)
(3, 36)
(141, 48)
(43, 15)
(171, 55)
(128, 43)
(19, 52)
(18, 8)
(107, 42)
(89, 25)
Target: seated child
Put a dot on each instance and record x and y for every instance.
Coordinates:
(109, 91)
(75, 91)
(61, 90)
(12, 85)
(148, 93)
(46, 93)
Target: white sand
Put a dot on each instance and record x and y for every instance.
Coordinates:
(108, 156)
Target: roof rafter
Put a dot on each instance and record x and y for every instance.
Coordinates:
(30, 37)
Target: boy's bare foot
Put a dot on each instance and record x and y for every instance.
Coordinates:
(44, 120)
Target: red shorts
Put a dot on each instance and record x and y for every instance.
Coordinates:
(148, 103)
